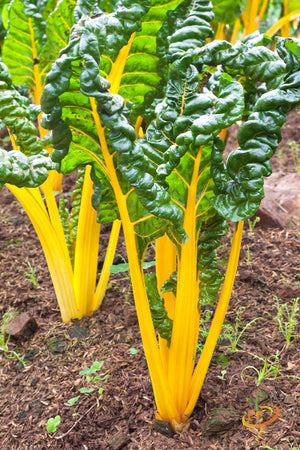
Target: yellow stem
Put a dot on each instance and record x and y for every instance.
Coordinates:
(220, 31)
(37, 91)
(235, 31)
(105, 272)
(284, 20)
(138, 127)
(285, 28)
(55, 179)
(86, 249)
(253, 14)
(219, 316)
(186, 320)
(262, 11)
(59, 265)
(116, 72)
(54, 215)
(13, 140)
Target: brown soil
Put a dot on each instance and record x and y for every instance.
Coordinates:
(57, 352)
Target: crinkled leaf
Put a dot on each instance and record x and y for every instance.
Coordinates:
(185, 28)
(85, 7)
(59, 24)
(23, 42)
(240, 180)
(210, 278)
(289, 51)
(33, 41)
(22, 171)
(16, 113)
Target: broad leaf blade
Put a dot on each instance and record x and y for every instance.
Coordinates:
(29, 166)
(22, 47)
(59, 24)
(227, 11)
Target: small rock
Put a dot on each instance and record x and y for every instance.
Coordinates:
(221, 419)
(21, 327)
(34, 381)
(163, 427)
(281, 205)
(288, 292)
(118, 440)
(130, 316)
(289, 400)
(245, 275)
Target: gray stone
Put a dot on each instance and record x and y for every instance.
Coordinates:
(21, 327)
(281, 205)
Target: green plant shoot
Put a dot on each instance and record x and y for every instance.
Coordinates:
(287, 319)
(269, 371)
(52, 424)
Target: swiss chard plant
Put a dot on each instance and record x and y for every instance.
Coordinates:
(70, 239)
(141, 96)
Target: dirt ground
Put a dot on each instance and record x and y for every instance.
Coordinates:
(57, 352)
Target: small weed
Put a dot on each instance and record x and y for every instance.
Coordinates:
(90, 377)
(290, 444)
(269, 371)
(256, 401)
(31, 275)
(295, 150)
(7, 243)
(221, 360)
(252, 224)
(204, 329)
(52, 424)
(4, 336)
(222, 376)
(133, 351)
(234, 332)
(248, 255)
(287, 316)
(72, 401)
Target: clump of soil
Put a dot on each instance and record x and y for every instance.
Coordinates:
(122, 415)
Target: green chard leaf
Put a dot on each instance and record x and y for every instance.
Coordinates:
(22, 171)
(239, 182)
(37, 31)
(29, 166)
(23, 41)
(210, 278)
(17, 114)
(185, 28)
(227, 11)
